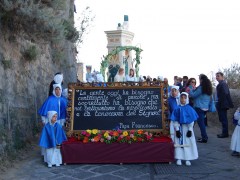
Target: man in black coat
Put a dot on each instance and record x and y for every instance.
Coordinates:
(224, 102)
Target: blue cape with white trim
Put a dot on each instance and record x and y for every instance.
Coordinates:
(52, 135)
(184, 114)
(53, 103)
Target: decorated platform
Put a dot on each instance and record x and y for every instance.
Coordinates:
(117, 123)
(158, 150)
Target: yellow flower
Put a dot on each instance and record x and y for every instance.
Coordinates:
(106, 134)
(125, 133)
(89, 131)
(94, 131)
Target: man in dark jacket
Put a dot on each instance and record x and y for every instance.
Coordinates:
(224, 102)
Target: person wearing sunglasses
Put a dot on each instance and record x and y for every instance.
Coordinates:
(191, 84)
(201, 99)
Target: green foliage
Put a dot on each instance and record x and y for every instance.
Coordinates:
(85, 22)
(7, 64)
(70, 32)
(37, 19)
(30, 54)
(57, 56)
(105, 61)
(232, 75)
(43, 19)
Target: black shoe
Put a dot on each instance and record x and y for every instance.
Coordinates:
(202, 140)
(222, 135)
(235, 153)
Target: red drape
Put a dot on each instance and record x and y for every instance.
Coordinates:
(159, 150)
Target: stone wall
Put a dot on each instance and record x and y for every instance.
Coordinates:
(25, 76)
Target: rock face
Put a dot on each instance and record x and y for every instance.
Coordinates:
(34, 45)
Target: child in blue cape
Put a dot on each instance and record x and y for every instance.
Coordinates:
(183, 118)
(173, 102)
(51, 138)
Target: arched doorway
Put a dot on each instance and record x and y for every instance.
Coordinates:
(105, 63)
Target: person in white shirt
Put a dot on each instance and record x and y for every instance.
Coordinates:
(131, 77)
(120, 77)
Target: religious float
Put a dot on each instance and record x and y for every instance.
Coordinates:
(118, 122)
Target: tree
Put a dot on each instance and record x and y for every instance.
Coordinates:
(83, 24)
(232, 75)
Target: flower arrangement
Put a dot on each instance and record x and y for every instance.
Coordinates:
(112, 136)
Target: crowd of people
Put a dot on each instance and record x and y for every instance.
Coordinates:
(198, 98)
(188, 104)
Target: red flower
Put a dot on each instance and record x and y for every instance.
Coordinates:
(85, 140)
(87, 134)
(113, 136)
(132, 131)
(96, 138)
(115, 133)
(119, 131)
(149, 137)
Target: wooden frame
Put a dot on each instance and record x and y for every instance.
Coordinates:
(124, 85)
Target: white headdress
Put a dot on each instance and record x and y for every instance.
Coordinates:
(187, 99)
(54, 87)
(178, 94)
(58, 78)
(175, 87)
(50, 114)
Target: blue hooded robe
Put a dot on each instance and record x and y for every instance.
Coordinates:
(53, 103)
(52, 135)
(184, 114)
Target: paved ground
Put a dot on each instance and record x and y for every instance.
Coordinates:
(215, 162)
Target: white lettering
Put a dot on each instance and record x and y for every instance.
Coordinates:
(124, 126)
